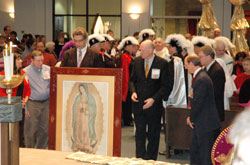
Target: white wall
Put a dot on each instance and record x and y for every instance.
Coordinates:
(130, 26)
(34, 16)
(5, 19)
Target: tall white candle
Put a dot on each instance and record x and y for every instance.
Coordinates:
(6, 50)
(11, 47)
(11, 59)
(6, 59)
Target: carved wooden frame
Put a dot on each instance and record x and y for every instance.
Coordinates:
(115, 73)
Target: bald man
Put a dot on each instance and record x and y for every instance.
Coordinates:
(149, 84)
(160, 49)
(220, 49)
(188, 36)
(217, 32)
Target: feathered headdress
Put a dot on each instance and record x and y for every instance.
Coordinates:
(176, 40)
(201, 41)
(108, 37)
(145, 33)
(95, 38)
(189, 47)
(127, 41)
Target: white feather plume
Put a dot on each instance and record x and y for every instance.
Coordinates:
(148, 31)
(110, 38)
(181, 40)
(98, 37)
(202, 39)
(212, 42)
(189, 47)
(132, 39)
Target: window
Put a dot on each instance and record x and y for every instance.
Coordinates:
(69, 14)
(175, 16)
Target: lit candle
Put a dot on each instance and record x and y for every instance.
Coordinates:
(6, 59)
(11, 59)
(10, 47)
(6, 50)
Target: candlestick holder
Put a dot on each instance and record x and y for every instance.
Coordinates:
(9, 84)
(10, 112)
(10, 115)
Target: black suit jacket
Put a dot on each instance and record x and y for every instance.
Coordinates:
(145, 88)
(203, 109)
(216, 73)
(91, 59)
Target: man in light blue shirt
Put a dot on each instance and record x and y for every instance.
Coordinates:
(38, 103)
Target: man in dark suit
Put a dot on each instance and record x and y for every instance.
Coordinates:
(216, 73)
(204, 119)
(149, 84)
(82, 55)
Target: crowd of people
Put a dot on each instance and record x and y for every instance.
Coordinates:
(182, 71)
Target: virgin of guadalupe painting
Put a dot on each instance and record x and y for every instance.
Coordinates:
(84, 115)
(85, 110)
(83, 123)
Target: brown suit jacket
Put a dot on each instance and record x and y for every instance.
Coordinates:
(91, 59)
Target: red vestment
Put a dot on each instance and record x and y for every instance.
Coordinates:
(26, 89)
(125, 65)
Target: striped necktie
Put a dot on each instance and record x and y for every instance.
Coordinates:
(79, 60)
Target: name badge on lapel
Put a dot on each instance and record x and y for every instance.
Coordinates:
(46, 75)
(155, 74)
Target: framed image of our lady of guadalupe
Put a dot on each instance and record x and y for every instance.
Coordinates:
(85, 110)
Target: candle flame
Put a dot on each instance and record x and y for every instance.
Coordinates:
(6, 46)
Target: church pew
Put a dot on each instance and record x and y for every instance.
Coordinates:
(178, 134)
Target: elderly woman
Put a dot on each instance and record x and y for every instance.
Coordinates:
(50, 48)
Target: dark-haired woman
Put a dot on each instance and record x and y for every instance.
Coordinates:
(238, 68)
(22, 90)
(29, 47)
